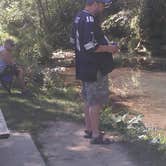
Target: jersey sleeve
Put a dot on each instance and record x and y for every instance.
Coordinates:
(89, 41)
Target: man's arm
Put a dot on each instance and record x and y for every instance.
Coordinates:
(107, 48)
(72, 36)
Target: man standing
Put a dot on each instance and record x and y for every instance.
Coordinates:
(93, 63)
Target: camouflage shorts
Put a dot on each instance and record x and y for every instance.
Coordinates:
(96, 92)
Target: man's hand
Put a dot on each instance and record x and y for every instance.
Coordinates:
(112, 49)
(108, 48)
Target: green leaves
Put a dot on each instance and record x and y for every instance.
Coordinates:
(39, 26)
(153, 25)
(134, 121)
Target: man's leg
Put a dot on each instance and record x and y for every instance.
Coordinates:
(88, 128)
(87, 118)
(92, 110)
(98, 97)
(94, 119)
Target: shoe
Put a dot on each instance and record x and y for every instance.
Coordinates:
(27, 93)
(88, 134)
(100, 140)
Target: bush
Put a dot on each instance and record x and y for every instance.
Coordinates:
(123, 26)
(153, 25)
(39, 26)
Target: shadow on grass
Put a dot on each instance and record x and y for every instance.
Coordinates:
(29, 114)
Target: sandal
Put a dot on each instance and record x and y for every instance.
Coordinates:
(27, 93)
(100, 140)
(88, 134)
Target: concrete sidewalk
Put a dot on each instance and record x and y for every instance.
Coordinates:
(63, 145)
(19, 150)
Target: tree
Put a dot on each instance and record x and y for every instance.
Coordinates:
(153, 25)
(39, 26)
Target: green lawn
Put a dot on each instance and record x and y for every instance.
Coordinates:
(28, 114)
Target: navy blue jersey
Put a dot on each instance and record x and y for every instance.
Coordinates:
(86, 36)
(86, 33)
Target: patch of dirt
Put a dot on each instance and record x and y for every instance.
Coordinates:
(143, 92)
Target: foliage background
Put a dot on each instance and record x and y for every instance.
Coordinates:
(43, 26)
(39, 26)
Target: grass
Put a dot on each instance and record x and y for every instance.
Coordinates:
(28, 114)
(64, 103)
